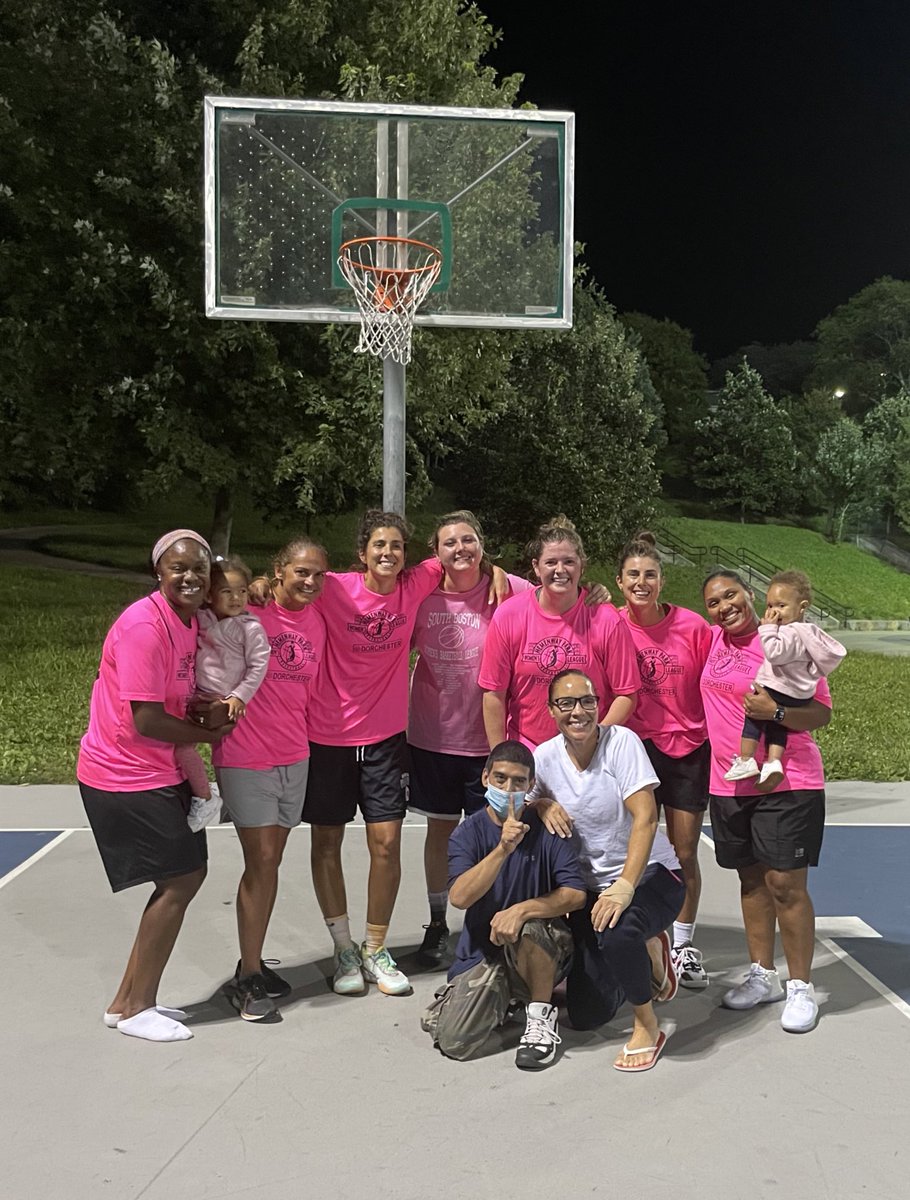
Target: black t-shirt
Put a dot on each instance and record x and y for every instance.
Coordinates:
(541, 864)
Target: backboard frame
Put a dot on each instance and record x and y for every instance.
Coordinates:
(560, 319)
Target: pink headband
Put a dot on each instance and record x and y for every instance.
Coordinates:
(164, 543)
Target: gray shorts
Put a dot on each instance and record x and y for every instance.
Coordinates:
(273, 796)
(466, 1011)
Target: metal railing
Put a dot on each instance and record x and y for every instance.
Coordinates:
(759, 570)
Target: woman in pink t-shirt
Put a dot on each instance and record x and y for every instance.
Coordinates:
(357, 741)
(262, 768)
(770, 839)
(447, 742)
(543, 632)
(133, 789)
(671, 645)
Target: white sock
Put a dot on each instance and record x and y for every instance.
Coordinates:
(152, 1026)
(683, 932)
(340, 929)
(111, 1020)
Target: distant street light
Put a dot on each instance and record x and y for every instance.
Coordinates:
(839, 393)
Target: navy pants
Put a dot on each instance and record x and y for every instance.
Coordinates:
(614, 965)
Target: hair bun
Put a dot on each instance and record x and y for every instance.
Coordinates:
(646, 536)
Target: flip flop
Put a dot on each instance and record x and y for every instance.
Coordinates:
(665, 989)
(654, 1051)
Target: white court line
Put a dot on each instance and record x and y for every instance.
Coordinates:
(23, 866)
(858, 969)
(227, 825)
(848, 960)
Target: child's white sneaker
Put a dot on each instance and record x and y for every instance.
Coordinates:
(204, 812)
(743, 768)
(771, 775)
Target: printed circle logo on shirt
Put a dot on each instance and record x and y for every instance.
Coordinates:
(555, 654)
(654, 665)
(292, 650)
(451, 637)
(377, 626)
(725, 661)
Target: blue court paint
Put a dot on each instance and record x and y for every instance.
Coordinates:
(863, 873)
(17, 846)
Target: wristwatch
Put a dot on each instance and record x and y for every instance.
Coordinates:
(779, 713)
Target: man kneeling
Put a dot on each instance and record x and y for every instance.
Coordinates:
(516, 882)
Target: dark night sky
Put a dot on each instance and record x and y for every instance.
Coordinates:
(742, 167)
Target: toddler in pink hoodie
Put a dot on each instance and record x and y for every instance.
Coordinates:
(797, 655)
(232, 657)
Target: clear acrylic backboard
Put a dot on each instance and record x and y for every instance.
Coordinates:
(288, 182)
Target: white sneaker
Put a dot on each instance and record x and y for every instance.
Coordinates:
(759, 987)
(380, 968)
(688, 966)
(537, 1047)
(204, 812)
(743, 768)
(800, 1013)
(348, 979)
(771, 775)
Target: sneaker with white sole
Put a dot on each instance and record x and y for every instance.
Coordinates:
(537, 1048)
(743, 768)
(204, 812)
(771, 775)
(380, 968)
(348, 979)
(760, 986)
(800, 1013)
(687, 963)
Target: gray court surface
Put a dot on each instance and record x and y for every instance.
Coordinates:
(346, 1097)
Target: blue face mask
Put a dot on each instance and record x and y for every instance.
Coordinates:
(498, 800)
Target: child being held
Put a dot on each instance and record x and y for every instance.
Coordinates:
(797, 655)
(232, 657)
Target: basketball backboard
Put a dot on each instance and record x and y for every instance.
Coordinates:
(288, 182)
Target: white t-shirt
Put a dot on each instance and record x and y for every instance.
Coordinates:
(595, 800)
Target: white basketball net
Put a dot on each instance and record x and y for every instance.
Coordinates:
(390, 278)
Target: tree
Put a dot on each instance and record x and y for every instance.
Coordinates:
(884, 427)
(679, 376)
(849, 472)
(745, 455)
(112, 381)
(902, 476)
(574, 436)
(864, 345)
(783, 367)
(811, 413)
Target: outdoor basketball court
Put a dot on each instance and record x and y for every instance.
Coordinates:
(346, 1097)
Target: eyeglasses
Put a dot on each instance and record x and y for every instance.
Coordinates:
(566, 704)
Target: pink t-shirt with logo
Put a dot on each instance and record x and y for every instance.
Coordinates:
(729, 671)
(527, 646)
(148, 654)
(361, 694)
(273, 733)
(446, 713)
(671, 655)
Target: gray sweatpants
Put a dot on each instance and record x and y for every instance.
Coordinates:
(466, 1011)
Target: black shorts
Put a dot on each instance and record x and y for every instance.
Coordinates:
(781, 830)
(445, 785)
(343, 778)
(683, 781)
(143, 836)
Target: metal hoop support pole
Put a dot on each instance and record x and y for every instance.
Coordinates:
(393, 435)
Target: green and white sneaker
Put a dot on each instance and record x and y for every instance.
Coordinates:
(380, 968)
(348, 980)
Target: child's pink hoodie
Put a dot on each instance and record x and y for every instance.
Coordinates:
(796, 657)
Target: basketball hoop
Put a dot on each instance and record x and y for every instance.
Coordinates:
(388, 296)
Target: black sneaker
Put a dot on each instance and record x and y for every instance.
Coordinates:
(275, 986)
(435, 944)
(251, 999)
(537, 1047)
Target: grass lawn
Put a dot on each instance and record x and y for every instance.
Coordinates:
(53, 623)
(872, 588)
